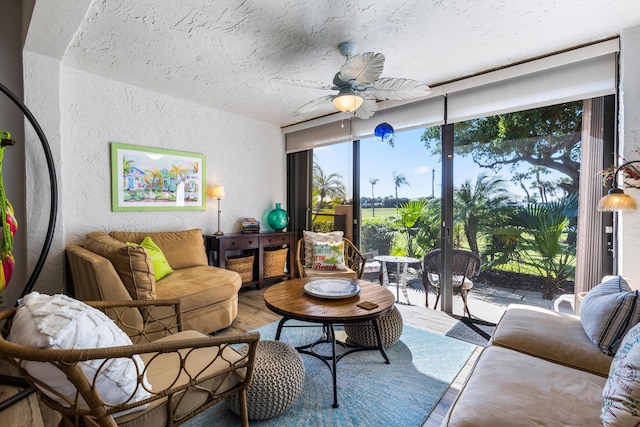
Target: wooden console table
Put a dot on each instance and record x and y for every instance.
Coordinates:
(219, 247)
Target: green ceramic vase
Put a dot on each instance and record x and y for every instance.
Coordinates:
(278, 218)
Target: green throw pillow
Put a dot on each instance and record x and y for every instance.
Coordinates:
(161, 267)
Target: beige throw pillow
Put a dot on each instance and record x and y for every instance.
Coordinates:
(132, 263)
(310, 237)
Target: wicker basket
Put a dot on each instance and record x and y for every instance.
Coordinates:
(242, 264)
(274, 261)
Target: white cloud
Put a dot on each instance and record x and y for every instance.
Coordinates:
(421, 170)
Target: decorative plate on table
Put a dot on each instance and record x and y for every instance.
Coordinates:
(332, 288)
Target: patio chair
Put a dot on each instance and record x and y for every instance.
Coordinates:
(372, 268)
(466, 265)
(174, 378)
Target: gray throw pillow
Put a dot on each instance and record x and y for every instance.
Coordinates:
(608, 311)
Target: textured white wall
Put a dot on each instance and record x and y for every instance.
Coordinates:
(630, 139)
(245, 156)
(41, 94)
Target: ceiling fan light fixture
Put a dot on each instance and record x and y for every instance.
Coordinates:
(348, 101)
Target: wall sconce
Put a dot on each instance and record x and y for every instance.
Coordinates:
(616, 200)
(217, 192)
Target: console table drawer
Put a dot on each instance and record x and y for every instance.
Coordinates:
(248, 243)
(275, 240)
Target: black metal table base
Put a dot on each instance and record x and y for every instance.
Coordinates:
(328, 336)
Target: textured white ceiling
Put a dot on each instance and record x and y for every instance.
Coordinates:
(230, 54)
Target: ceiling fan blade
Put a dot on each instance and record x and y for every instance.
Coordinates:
(389, 88)
(307, 83)
(365, 68)
(367, 109)
(314, 105)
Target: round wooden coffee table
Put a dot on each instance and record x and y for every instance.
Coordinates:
(289, 299)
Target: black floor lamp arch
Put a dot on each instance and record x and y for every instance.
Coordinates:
(53, 212)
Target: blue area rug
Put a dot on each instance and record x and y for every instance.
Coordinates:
(370, 392)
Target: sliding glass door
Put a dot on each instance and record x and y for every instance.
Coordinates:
(510, 188)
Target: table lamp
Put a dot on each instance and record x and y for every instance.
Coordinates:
(217, 191)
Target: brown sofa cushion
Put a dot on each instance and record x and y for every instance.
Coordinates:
(182, 249)
(509, 388)
(198, 287)
(558, 337)
(132, 263)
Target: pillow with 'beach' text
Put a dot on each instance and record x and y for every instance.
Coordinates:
(328, 256)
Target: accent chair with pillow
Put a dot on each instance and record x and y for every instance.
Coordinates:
(137, 266)
(85, 366)
(328, 255)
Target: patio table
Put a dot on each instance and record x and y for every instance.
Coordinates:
(401, 279)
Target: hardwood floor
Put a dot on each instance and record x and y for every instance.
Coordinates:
(252, 313)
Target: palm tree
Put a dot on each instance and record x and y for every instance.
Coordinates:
(126, 165)
(324, 185)
(475, 205)
(156, 177)
(399, 180)
(546, 223)
(179, 171)
(373, 182)
(409, 221)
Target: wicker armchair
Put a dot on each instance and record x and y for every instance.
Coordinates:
(466, 265)
(184, 372)
(353, 259)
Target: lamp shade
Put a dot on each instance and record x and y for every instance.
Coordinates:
(347, 101)
(616, 200)
(216, 191)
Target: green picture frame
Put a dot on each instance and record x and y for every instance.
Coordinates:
(154, 179)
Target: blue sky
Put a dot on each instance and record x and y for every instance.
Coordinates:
(409, 157)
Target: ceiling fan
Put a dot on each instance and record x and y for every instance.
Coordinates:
(360, 85)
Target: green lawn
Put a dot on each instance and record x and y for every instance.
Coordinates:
(380, 212)
(366, 213)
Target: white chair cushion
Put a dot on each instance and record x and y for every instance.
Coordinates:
(61, 322)
(434, 279)
(372, 267)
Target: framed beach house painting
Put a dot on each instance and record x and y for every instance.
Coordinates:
(147, 179)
